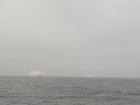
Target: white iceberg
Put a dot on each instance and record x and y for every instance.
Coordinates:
(36, 74)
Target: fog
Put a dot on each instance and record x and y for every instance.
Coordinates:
(97, 38)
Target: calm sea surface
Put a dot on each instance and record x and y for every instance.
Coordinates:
(69, 91)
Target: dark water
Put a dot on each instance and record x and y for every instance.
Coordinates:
(69, 91)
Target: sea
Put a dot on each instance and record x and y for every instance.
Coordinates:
(69, 91)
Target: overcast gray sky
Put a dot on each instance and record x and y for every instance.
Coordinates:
(70, 37)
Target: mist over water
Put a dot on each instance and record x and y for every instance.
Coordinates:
(69, 52)
(99, 38)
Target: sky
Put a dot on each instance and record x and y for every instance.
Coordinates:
(90, 38)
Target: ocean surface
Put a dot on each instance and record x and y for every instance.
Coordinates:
(69, 91)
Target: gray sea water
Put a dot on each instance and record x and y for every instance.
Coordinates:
(69, 91)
